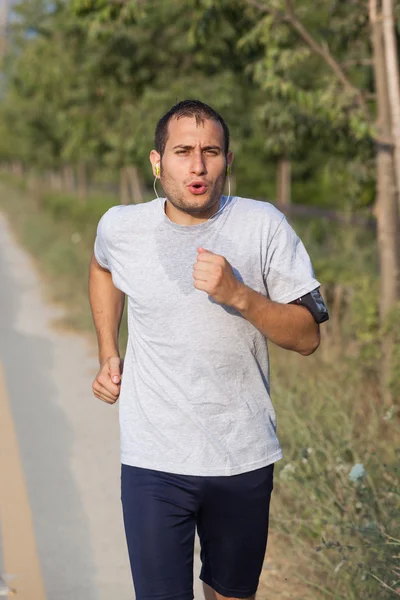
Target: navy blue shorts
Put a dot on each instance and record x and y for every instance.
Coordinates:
(161, 512)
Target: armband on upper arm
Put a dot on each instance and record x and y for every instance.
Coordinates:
(314, 302)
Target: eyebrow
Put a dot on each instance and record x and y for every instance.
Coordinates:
(188, 147)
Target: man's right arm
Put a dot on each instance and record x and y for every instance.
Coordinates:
(107, 305)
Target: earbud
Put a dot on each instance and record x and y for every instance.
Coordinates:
(157, 170)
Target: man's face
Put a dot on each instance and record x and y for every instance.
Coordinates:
(193, 166)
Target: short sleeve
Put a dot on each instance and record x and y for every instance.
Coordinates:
(101, 252)
(288, 272)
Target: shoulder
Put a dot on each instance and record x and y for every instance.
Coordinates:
(258, 208)
(120, 217)
(259, 213)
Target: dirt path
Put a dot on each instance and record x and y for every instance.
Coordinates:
(67, 446)
(277, 578)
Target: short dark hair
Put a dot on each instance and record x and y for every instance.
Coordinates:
(188, 108)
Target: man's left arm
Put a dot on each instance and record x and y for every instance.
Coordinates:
(290, 326)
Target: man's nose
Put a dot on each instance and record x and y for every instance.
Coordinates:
(198, 166)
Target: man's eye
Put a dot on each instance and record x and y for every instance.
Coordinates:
(211, 152)
(181, 152)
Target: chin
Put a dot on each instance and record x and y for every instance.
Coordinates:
(199, 204)
(190, 203)
(199, 209)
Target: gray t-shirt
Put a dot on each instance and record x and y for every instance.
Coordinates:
(195, 396)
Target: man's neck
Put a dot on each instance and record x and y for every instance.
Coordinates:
(183, 218)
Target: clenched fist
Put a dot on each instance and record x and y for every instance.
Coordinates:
(214, 275)
(107, 383)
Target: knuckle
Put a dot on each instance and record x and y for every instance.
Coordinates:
(217, 277)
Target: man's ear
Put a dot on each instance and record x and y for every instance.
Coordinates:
(155, 160)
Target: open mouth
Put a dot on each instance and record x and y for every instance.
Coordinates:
(197, 188)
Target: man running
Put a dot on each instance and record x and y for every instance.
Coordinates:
(209, 279)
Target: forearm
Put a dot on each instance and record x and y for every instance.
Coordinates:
(107, 305)
(287, 325)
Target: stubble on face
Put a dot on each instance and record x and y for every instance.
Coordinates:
(177, 198)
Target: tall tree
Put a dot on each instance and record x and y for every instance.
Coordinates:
(393, 80)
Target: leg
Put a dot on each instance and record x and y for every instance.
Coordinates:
(233, 530)
(210, 594)
(160, 528)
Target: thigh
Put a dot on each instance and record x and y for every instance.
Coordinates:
(159, 524)
(233, 531)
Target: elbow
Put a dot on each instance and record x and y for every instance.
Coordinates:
(311, 346)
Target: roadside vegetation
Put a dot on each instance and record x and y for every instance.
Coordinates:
(337, 492)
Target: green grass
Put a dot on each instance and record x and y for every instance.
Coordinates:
(340, 533)
(59, 232)
(341, 536)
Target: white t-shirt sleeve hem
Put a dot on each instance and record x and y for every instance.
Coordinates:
(97, 257)
(100, 245)
(314, 284)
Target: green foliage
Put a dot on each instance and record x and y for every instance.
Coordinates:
(392, 327)
(86, 81)
(82, 216)
(365, 321)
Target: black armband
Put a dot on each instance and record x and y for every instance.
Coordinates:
(313, 301)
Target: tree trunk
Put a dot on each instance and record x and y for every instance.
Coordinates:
(392, 74)
(17, 168)
(387, 206)
(56, 181)
(3, 28)
(283, 183)
(136, 193)
(124, 186)
(35, 187)
(69, 179)
(82, 181)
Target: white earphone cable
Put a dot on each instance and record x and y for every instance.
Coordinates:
(154, 187)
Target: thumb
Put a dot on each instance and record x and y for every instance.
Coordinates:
(115, 369)
(203, 250)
